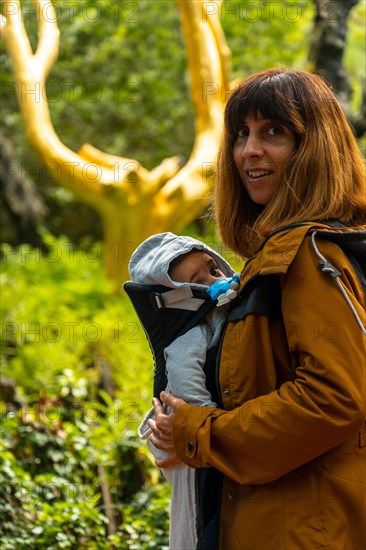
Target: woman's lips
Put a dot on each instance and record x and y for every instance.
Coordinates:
(257, 174)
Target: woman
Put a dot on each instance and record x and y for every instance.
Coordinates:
(290, 434)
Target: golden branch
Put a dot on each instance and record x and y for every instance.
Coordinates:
(48, 38)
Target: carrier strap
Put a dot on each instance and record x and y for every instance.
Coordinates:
(179, 298)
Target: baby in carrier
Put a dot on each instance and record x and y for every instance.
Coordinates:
(185, 268)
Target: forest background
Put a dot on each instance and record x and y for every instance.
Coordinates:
(76, 367)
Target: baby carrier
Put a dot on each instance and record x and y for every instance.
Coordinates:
(167, 309)
(166, 314)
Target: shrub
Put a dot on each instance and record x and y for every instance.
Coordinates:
(51, 491)
(83, 374)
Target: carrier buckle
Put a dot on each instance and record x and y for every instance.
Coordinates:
(156, 301)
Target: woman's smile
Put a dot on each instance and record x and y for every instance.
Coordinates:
(256, 174)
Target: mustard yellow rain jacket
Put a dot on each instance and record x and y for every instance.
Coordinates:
(291, 441)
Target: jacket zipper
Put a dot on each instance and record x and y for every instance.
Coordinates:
(283, 228)
(221, 406)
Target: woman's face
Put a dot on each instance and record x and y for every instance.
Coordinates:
(260, 153)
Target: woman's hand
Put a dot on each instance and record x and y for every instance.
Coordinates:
(162, 428)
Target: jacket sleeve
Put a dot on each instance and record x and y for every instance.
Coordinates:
(185, 359)
(320, 408)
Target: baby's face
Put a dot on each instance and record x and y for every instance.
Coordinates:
(195, 267)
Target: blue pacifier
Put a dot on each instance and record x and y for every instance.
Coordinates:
(224, 290)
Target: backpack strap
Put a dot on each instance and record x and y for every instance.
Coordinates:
(261, 296)
(354, 246)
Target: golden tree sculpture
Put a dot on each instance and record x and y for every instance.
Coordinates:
(133, 202)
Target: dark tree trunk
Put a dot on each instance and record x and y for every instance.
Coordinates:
(21, 206)
(326, 52)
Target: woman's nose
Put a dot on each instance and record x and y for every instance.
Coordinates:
(253, 147)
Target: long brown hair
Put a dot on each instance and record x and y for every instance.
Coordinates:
(323, 178)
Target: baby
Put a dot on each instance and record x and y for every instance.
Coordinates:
(173, 261)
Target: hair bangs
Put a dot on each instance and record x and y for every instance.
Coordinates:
(271, 97)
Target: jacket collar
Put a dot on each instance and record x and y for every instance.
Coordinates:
(278, 250)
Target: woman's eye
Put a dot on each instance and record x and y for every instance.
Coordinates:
(275, 130)
(243, 132)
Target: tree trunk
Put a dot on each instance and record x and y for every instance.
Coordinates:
(21, 205)
(327, 47)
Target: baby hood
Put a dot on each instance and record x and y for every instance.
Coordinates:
(150, 262)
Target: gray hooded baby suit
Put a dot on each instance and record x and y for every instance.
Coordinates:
(185, 359)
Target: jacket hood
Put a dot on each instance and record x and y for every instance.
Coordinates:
(150, 262)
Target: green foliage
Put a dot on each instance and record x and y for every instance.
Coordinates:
(62, 525)
(58, 314)
(64, 426)
(62, 507)
(145, 520)
(354, 58)
(49, 492)
(267, 34)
